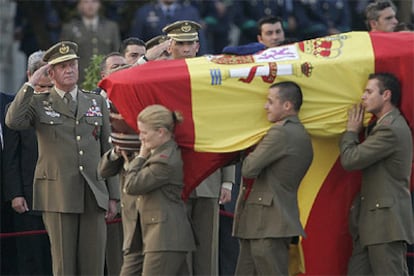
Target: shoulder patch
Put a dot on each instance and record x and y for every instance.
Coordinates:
(164, 156)
(387, 121)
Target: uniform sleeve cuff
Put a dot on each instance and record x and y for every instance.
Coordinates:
(227, 185)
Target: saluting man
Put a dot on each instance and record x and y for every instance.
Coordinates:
(72, 128)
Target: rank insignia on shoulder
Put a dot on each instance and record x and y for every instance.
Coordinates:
(95, 91)
(387, 121)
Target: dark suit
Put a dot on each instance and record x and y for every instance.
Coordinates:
(385, 215)
(7, 246)
(268, 211)
(166, 231)
(67, 186)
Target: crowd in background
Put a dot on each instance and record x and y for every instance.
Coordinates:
(38, 24)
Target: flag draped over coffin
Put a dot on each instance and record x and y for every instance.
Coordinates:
(221, 98)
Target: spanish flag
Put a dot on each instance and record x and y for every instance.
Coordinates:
(221, 98)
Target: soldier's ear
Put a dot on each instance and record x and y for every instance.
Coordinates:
(387, 94)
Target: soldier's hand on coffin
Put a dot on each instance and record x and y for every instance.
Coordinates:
(355, 118)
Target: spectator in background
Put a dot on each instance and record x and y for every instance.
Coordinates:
(322, 17)
(36, 25)
(132, 48)
(381, 16)
(20, 157)
(249, 12)
(7, 260)
(93, 33)
(270, 31)
(217, 16)
(152, 17)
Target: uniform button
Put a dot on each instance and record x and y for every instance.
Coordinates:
(124, 190)
(51, 122)
(244, 188)
(138, 198)
(152, 219)
(44, 176)
(78, 138)
(362, 198)
(96, 123)
(122, 205)
(77, 122)
(81, 152)
(377, 205)
(260, 199)
(81, 168)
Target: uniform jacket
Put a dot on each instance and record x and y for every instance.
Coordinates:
(277, 165)
(385, 158)
(69, 148)
(158, 183)
(105, 39)
(109, 168)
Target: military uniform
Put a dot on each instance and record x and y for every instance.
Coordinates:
(382, 212)
(67, 188)
(166, 231)
(267, 213)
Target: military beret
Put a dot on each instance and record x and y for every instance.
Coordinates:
(155, 41)
(184, 30)
(60, 52)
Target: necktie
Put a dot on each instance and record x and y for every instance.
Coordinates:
(70, 102)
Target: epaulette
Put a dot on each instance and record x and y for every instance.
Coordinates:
(163, 156)
(96, 91)
(387, 121)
